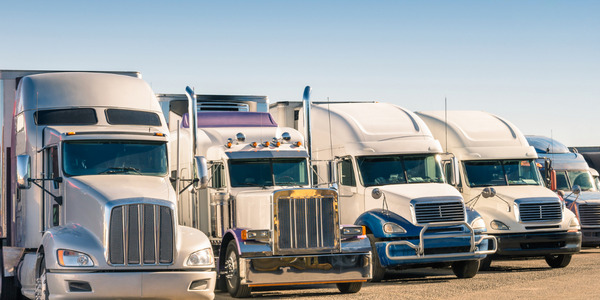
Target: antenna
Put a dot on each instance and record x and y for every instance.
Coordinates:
(446, 121)
(330, 138)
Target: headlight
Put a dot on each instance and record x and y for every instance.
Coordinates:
(203, 257)
(478, 224)
(260, 235)
(393, 228)
(352, 231)
(68, 258)
(497, 225)
(574, 223)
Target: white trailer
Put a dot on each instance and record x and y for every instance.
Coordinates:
(88, 209)
(498, 177)
(268, 225)
(390, 181)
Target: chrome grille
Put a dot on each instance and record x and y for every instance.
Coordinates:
(141, 234)
(589, 214)
(435, 212)
(540, 211)
(306, 223)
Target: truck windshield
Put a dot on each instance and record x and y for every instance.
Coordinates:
(565, 180)
(501, 172)
(265, 171)
(398, 169)
(114, 157)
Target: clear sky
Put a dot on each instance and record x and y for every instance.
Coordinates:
(536, 63)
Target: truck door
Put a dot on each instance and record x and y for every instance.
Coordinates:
(350, 204)
(52, 211)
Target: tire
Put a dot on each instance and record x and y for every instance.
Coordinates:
(232, 276)
(378, 270)
(485, 264)
(465, 269)
(10, 290)
(558, 260)
(221, 284)
(349, 287)
(41, 282)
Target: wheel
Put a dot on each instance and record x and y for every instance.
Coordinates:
(41, 283)
(378, 270)
(232, 276)
(485, 264)
(465, 269)
(558, 260)
(349, 287)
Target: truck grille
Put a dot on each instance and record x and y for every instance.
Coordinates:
(140, 234)
(306, 223)
(435, 212)
(589, 214)
(541, 211)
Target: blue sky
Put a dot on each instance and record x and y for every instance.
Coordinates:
(536, 63)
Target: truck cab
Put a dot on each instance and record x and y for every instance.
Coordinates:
(268, 224)
(495, 170)
(574, 181)
(387, 169)
(92, 211)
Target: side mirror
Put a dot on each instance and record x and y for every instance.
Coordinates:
(553, 185)
(333, 171)
(23, 171)
(576, 189)
(200, 172)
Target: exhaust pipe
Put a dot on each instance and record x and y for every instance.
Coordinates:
(193, 118)
(307, 131)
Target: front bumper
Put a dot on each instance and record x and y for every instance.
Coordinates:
(538, 244)
(590, 237)
(434, 247)
(133, 285)
(307, 269)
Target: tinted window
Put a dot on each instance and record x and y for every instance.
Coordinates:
(74, 116)
(131, 117)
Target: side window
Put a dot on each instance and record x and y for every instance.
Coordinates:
(216, 175)
(52, 167)
(448, 170)
(346, 173)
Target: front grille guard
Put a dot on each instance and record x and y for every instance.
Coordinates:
(420, 248)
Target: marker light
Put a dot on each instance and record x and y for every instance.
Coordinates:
(253, 144)
(159, 134)
(266, 144)
(229, 143)
(71, 133)
(277, 144)
(298, 144)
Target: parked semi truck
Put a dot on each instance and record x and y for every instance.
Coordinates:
(269, 227)
(574, 181)
(88, 210)
(390, 180)
(497, 176)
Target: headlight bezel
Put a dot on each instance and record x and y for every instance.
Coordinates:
(74, 259)
(498, 225)
(204, 258)
(393, 228)
(479, 224)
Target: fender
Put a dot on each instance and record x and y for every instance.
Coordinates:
(376, 218)
(245, 249)
(72, 237)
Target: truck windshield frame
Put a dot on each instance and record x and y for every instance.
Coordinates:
(109, 157)
(377, 170)
(264, 172)
(501, 172)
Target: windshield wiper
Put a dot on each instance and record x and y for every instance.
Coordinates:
(117, 170)
(288, 183)
(252, 184)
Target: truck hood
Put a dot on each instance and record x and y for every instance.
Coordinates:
(584, 197)
(400, 196)
(99, 193)
(253, 208)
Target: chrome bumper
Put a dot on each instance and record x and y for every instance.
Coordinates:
(420, 248)
(293, 270)
(133, 285)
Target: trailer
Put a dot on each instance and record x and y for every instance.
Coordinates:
(495, 170)
(268, 225)
(88, 210)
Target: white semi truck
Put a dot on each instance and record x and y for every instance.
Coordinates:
(269, 227)
(497, 175)
(390, 181)
(88, 208)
